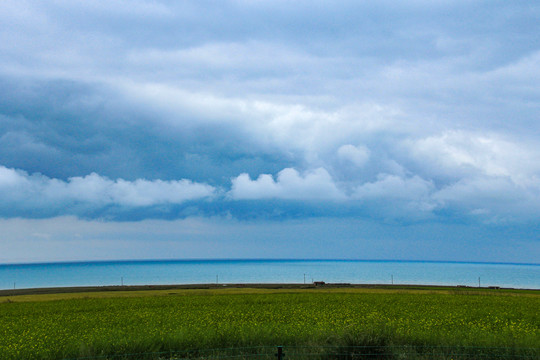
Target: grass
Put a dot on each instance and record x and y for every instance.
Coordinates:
(71, 325)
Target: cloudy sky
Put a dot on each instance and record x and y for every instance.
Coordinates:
(270, 129)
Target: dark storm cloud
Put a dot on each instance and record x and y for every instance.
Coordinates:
(63, 129)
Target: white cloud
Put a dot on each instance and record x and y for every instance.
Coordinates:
(358, 155)
(25, 191)
(414, 192)
(94, 188)
(460, 154)
(289, 184)
(299, 128)
(494, 199)
(10, 178)
(392, 186)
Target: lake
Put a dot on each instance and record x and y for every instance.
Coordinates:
(155, 272)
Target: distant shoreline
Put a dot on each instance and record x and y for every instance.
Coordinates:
(275, 286)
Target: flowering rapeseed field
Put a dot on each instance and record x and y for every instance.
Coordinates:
(199, 319)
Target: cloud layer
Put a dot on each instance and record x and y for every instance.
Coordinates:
(397, 113)
(42, 196)
(490, 197)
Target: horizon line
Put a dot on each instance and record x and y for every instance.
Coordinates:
(187, 260)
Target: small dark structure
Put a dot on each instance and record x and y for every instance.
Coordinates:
(318, 283)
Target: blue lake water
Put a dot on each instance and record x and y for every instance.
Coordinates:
(267, 271)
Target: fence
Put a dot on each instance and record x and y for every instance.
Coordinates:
(402, 352)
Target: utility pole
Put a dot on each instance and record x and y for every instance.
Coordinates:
(304, 279)
(392, 279)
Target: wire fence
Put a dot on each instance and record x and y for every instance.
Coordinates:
(402, 352)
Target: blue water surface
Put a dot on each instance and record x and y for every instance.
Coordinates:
(267, 271)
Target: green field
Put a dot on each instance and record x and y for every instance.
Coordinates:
(57, 326)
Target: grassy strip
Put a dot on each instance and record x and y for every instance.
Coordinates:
(63, 293)
(56, 326)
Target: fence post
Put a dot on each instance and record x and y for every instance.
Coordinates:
(280, 354)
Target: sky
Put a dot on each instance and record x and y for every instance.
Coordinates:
(270, 129)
